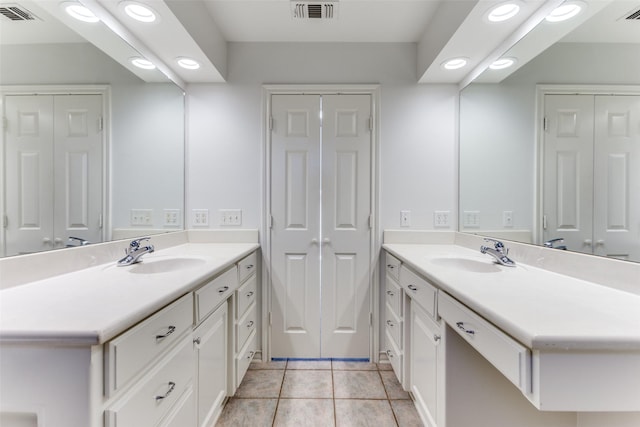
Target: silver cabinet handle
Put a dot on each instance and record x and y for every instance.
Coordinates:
(250, 356)
(389, 354)
(413, 288)
(390, 323)
(249, 294)
(461, 326)
(436, 337)
(170, 330)
(390, 293)
(250, 324)
(391, 266)
(196, 341)
(326, 241)
(314, 241)
(223, 289)
(172, 386)
(249, 267)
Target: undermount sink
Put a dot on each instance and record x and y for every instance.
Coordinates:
(164, 265)
(468, 264)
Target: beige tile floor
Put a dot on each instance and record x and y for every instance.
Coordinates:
(319, 393)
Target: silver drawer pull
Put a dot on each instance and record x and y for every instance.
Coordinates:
(390, 293)
(197, 341)
(461, 326)
(249, 267)
(389, 354)
(249, 294)
(413, 288)
(250, 324)
(170, 330)
(390, 323)
(223, 289)
(391, 266)
(250, 356)
(436, 337)
(172, 385)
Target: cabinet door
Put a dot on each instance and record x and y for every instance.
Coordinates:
(425, 370)
(210, 340)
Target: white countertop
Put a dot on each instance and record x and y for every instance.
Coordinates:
(93, 305)
(541, 309)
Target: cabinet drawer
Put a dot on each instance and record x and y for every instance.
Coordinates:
(184, 414)
(393, 295)
(245, 326)
(247, 266)
(419, 290)
(244, 358)
(153, 397)
(209, 296)
(393, 325)
(246, 295)
(132, 351)
(508, 356)
(392, 266)
(394, 354)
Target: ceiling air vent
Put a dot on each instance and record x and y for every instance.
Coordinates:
(314, 10)
(15, 12)
(634, 15)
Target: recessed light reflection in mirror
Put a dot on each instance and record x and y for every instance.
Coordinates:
(188, 63)
(143, 63)
(502, 63)
(565, 11)
(79, 12)
(138, 11)
(503, 12)
(454, 63)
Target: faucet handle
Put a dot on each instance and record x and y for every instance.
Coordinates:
(135, 244)
(496, 243)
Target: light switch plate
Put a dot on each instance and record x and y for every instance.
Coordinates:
(405, 218)
(230, 216)
(141, 217)
(441, 219)
(471, 218)
(200, 217)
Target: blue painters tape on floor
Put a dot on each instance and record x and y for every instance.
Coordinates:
(305, 359)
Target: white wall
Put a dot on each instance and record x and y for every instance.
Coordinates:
(418, 163)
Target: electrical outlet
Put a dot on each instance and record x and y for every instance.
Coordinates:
(141, 217)
(507, 218)
(441, 219)
(172, 217)
(200, 217)
(230, 216)
(471, 219)
(405, 218)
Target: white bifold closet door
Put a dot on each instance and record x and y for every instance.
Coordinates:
(592, 173)
(53, 171)
(320, 235)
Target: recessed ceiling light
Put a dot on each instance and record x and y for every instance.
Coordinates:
(188, 63)
(565, 11)
(503, 12)
(138, 11)
(502, 63)
(79, 12)
(143, 63)
(454, 63)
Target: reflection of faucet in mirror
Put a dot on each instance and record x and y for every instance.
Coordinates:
(499, 252)
(72, 242)
(135, 251)
(552, 244)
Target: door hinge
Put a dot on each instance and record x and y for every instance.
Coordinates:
(370, 319)
(370, 221)
(101, 123)
(270, 221)
(269, 318)
(544, 124)
(371, 123)
(100, 221)
(270, 122)
(544, 222)
(5, 221)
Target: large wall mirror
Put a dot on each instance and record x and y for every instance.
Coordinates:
(553, 150)
(89, 149)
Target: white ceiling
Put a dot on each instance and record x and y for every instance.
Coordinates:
(440, 28)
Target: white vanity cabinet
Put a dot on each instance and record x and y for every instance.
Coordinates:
(426, 351)
(210, 340)
(245, 321)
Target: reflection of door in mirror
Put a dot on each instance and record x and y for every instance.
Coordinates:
(54, 171)
(592, 173)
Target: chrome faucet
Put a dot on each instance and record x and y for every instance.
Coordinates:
(552, 244)
(499, 252)
(135, 251)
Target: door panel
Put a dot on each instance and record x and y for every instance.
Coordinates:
(617, 176)
(295, 205)
(29, 174)
(320, 238)
(346, 206)
(568, 180)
